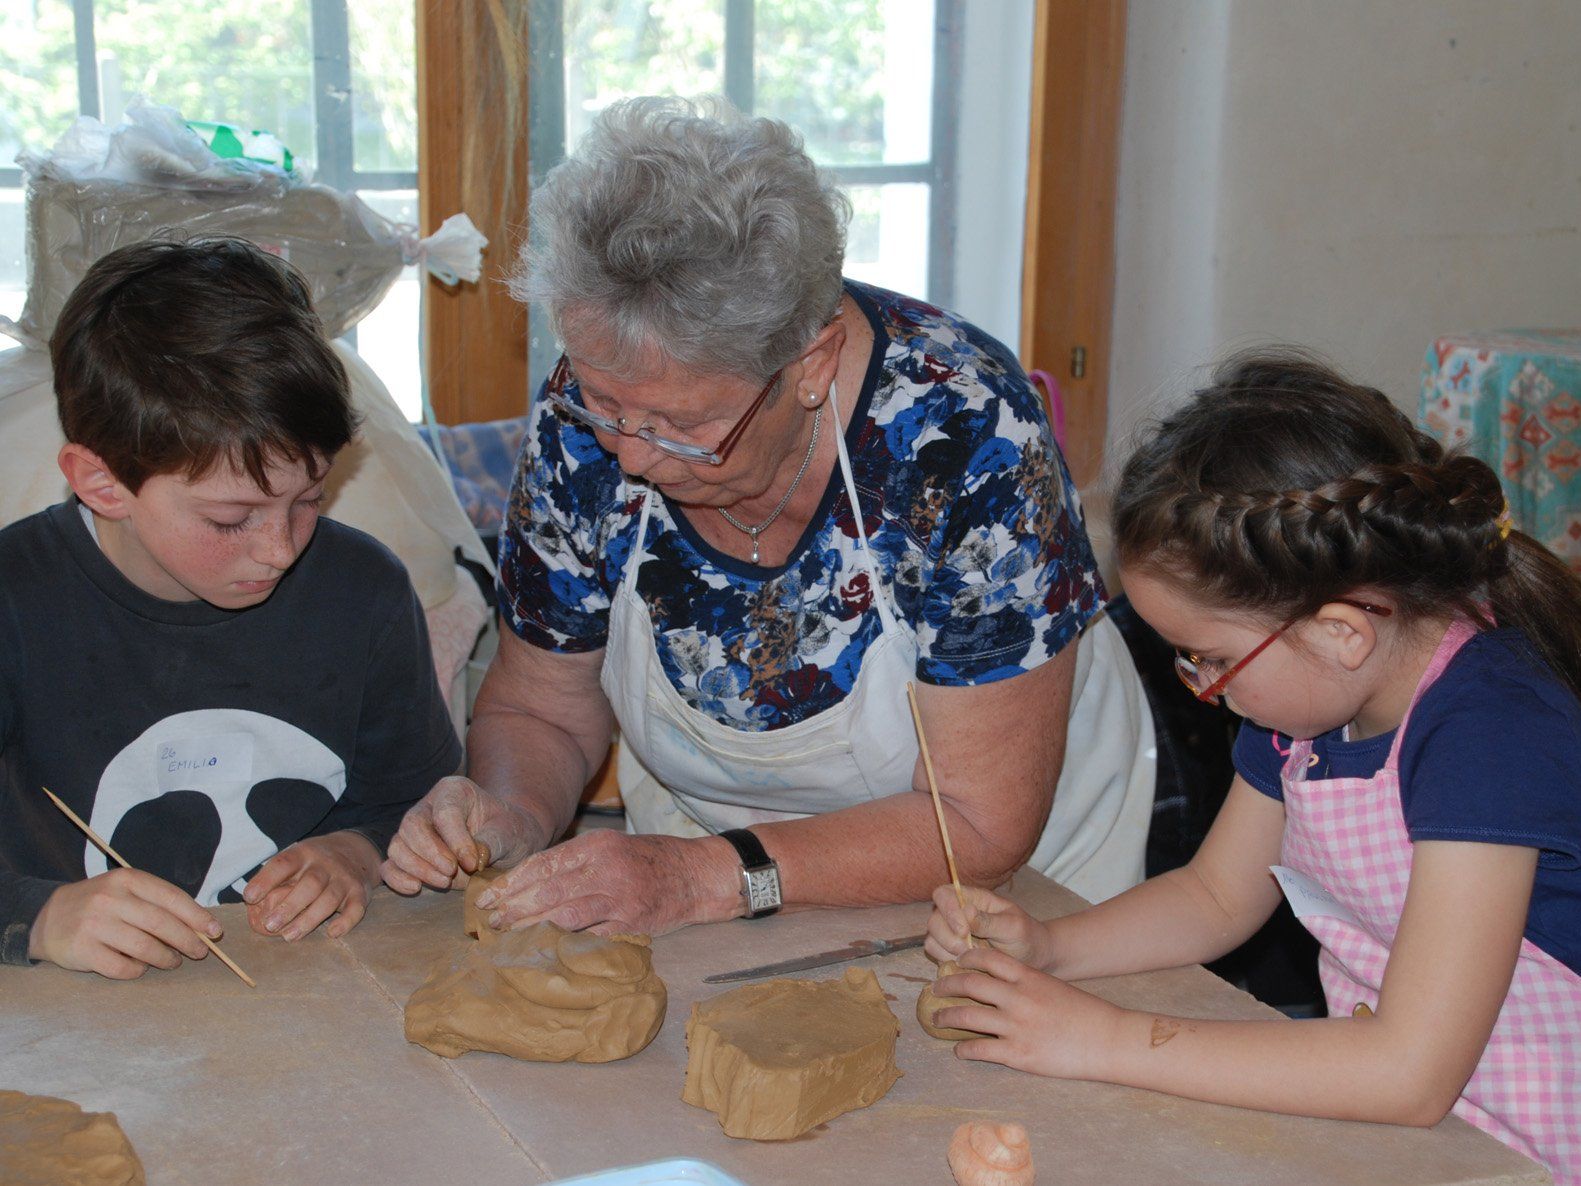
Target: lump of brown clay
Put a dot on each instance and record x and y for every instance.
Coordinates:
(45, 1141)
(475, 922)
(928, 1004)
(991, 1155)
(776, 1058)
(542, 994)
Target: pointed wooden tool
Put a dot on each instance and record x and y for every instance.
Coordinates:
(121, 861)
(938, 811)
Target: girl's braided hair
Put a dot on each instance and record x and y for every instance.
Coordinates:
(1282, 486)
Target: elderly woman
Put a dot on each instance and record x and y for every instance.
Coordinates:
(756, 501)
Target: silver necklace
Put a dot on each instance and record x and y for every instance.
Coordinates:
(754, 532)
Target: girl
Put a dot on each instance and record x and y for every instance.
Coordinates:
(1409, 767)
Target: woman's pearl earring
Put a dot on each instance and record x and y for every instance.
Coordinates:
(809, 397)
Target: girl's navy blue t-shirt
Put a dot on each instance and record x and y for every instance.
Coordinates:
(1492, 754)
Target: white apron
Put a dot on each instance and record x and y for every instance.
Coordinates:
(682, 773)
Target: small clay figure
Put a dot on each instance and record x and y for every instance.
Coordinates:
(991, 1155)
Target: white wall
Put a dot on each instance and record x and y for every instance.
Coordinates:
(991, 165)
(1358, 176)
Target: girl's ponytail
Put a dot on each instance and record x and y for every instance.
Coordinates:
(1541, 596)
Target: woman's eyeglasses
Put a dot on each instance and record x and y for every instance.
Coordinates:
(1197, 673)
(685, 450)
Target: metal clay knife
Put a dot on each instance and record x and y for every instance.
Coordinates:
(860, 949)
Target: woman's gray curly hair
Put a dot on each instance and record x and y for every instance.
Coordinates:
(686, 228)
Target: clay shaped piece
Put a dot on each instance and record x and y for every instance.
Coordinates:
(776, 1058)
(45, 1141)
(928, 1004)
(991, 1155)
(475, 922)
(542, 994)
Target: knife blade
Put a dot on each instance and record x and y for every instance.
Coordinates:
(859, 949)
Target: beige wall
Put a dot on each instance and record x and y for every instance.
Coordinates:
(1355, 175)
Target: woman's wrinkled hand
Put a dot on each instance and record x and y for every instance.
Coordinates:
(611, 882)
(453, 831)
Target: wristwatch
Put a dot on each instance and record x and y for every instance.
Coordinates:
(760, 877)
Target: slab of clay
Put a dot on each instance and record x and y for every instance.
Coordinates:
(475, 922)
(46, 1141)
(928, 1004)
(776, 1058)
(542, 994)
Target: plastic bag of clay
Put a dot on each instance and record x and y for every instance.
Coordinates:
(103, 187)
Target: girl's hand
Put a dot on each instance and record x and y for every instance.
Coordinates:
(299, 887)
(1038, 1023)
(998, 920)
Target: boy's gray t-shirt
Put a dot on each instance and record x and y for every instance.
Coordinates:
(199, 741)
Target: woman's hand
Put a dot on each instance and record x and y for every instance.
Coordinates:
(299, 887)
(437, 844)
(998, 920)
(119, 924)
(611, 883)
(1037, 1023)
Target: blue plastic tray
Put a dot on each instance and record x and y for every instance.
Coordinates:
(680, 1171)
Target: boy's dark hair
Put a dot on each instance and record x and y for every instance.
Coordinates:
(1282, 486)
(171, 357)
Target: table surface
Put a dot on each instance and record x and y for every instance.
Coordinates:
(309, 1079)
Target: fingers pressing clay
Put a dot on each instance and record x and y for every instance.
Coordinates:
(929, 1004)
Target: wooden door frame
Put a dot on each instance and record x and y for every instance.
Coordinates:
(472, 109)
(1067, 281)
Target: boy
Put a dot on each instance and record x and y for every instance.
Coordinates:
(238, 697)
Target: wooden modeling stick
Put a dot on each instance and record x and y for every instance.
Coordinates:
(121, 861)
(938, 810)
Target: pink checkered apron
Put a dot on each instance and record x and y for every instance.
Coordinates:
(1348, 835)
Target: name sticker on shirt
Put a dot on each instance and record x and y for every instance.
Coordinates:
(204, 763)
(1308, 899)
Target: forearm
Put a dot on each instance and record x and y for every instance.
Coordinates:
(531, 764)
(1171, 920)
(1338, 1068)
(881, 852)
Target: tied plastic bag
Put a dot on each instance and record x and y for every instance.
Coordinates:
(101, 188)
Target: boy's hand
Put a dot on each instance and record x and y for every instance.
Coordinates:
(119, 924)
(1037, 1023)
(998, 920)
(439, 841)
(299, 887)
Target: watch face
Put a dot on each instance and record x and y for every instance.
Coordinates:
(763, 889)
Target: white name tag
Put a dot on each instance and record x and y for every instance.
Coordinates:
(204, 763)
(1307, 898)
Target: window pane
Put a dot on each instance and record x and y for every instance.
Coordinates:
(384, 84)
(855, 77)
(239, 62)
(615, 49)
(888, 240)
(38, 75)
(387, 337)
(13, 269)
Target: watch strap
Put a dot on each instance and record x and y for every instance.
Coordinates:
(748, 847)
